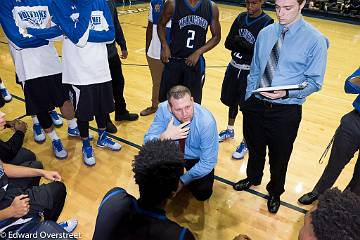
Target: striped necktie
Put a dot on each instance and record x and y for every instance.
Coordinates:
(182, 145)
(273, 61)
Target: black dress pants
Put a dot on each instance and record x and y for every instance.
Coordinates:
(118, 84)
(201, 188)
(274, 126)
(346, 143)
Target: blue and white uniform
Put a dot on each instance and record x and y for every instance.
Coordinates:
(156, 7)
(33, 57)
(88, 27)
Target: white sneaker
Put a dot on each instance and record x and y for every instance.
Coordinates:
(88, 156)
(240, 152)
(59, 150)
(105, 142)
(57, 121)
(5, 94)
(39, 134)
(69, 225)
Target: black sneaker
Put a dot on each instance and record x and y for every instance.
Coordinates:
(126, 117)
(110, 127)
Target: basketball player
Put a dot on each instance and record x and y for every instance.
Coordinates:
(88, 27)
(184, 61)
(241, 42)
(153, 49)
(37, 65)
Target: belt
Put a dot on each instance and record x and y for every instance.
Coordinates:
(268, 104)
(239, 66)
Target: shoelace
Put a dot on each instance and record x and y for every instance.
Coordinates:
(37, 129)
(89, 152)
(54, 115)
(3, 91)
(326, 150)
(108, 140)
(63, 224)
(58, 146)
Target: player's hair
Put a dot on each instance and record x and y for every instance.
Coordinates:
(178, 92)
(158, 168)
(337, 216)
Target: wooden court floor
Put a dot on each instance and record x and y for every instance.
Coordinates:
(227, 213)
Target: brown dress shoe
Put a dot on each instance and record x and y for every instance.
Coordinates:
(148, 111)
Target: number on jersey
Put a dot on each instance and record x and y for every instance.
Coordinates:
(189, 42)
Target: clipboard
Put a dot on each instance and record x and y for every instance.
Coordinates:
(284, 87)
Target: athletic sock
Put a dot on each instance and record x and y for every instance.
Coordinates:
(230, 127)
(35, 119)
(72, 123)
(53, 136)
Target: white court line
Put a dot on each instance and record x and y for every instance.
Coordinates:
(216, 69)
(140, 50)
(228, 17)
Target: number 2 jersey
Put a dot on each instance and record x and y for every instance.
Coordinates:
(189, 26)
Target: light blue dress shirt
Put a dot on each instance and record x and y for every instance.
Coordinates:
(302, 58)
(202, 142)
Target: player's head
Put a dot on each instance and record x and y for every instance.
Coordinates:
(336, 216)
(158, 168)
(254, 7)
(181, 103)
(288, 11)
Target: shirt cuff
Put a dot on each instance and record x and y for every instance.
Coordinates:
(186, 179)
(293, 93)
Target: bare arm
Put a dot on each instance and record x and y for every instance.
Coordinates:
(161, 29)
(215, 29)
(13, 171)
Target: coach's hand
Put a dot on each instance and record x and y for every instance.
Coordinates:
(165, 53)
(180, 186)
(193, 59)
(175, 132)
(274, 95)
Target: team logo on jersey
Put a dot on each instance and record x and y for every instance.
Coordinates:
(157, 8)
(243, 32)
(98, 21)
(193, 20)
(95, 20)
(36, 18)
(75, 18)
